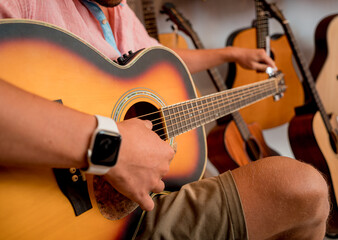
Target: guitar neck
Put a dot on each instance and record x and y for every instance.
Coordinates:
(262, 27)
(150, 18)
(215, 76)
(185, 116)
(307, 77)
(220, 86)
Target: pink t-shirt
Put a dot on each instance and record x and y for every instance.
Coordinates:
(73, 16)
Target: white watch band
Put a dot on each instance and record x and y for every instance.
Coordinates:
(106, 123)
(103, 123)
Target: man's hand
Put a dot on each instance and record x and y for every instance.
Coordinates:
(143, 161)
(255, 59)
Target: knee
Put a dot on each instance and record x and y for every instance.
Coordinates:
(303, 188)
(311, 191)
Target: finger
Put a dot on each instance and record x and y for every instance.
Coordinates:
(146, 203)
(260, 67)
(148, 124)
(159, 187)
(270, 62)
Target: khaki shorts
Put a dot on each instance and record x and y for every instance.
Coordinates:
(207, 209)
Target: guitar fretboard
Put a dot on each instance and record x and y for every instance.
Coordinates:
(150, 18)
(185, 116)
(262, 26)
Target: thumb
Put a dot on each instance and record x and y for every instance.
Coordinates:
(148, 124)
(147, 203)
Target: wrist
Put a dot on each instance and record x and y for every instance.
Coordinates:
(104, 146)
(230, 54)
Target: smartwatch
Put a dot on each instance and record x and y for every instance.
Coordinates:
(104, 146)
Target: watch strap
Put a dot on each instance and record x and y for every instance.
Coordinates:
(106, 123)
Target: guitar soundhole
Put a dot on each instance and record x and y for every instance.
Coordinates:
(147, 111)
(253, 150)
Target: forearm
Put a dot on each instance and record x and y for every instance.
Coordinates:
(203, 59)
(39, 132)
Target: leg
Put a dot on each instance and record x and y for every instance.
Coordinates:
(206, 209)
(283, 198)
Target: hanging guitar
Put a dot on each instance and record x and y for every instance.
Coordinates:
(325, 61)
(274, 113)
(50, 62)
(171, 40)
(313, 135)
(230, 144)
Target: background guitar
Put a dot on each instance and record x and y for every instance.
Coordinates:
(230, 144)
(267, 113)
(155, 84)
(313, 138)
(325, 61)
(170, 40)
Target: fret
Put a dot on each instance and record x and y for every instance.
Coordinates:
(175, 120)
(220, 105)
(237, 99)
(226, 107)
(211, 108)
(215, 104)
(182, 121)
(187, 117)
(241, 100)
(190, 114)
(206, 110)
(231, 96)
(200, 111)
(194, 114)
(168, 121)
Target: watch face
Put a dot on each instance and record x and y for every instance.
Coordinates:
(106, 148)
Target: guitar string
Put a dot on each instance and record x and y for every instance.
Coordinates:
(205, 118)
(212, 103)
(262, 84)
(218, 101)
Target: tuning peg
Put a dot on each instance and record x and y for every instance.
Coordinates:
(120, 60)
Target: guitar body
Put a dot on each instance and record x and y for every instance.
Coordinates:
(325, 62)
(228, 150)
(267, 113)
(56, 65)
(310, 143)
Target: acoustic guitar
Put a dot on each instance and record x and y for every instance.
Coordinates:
(271, 113)
(325, 61)
(230, 144)
(150, 84)
(313, 137)
(170, 40)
